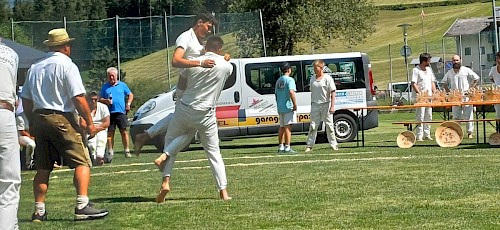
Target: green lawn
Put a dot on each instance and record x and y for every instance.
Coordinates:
(379, 186)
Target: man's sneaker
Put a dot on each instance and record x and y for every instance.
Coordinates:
(280, 151)
(335, 147)
(90, 213)
(308, 149)
(290, 151)
(37, 218)
(420, 139)
(127, 154)
(470, 136)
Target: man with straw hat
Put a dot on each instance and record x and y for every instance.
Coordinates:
(52, 93)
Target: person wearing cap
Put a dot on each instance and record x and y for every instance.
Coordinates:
(423, 81)
(100, 116)
(322, 105)
(196, 113)
(52, 94)
(458, 78)
(113, 94)
(287, 107)
(10, 169)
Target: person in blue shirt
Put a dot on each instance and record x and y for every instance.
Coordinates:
(287, 107)
(113, 94)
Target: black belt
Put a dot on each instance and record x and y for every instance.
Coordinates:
(6, 105)
(49, 111)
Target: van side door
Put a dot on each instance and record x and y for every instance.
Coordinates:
(229, 103)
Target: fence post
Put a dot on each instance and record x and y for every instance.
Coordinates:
(118, 45)
(262, 29)
(168, 53)
(12, 28)
(64, 22)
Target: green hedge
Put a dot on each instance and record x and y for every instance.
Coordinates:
(428, 4)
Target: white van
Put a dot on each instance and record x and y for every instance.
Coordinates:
(247, 105)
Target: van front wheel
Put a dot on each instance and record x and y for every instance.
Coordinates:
(345, 127)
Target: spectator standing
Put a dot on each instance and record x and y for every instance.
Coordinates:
(287, 107)
(322, 105)
(458, 78)
(118, 97)
(100, 116)
(423, 81)
(495, 79)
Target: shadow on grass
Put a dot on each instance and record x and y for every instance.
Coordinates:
(139, 199)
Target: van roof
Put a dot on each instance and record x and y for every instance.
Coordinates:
(302, 57)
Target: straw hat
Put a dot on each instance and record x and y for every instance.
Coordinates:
(449, 134)
(57, 37)
(494, 139)
(406, 139)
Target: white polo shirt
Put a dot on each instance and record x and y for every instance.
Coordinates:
(322, 89)
(495, 75)
(9, 62)
(52, 82)
(101, 112)
(423, 79)
(204, 85)
(460, 79)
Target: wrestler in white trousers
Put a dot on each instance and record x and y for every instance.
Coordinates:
(464, 113)
(186, 122)
(321, 112)
(97, 144)
(10, 170)
(29, 145)
(423, 114)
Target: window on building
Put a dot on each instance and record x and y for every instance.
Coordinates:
(483, 50)
(467, 51)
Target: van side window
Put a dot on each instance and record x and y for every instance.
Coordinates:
(346, 72)
(262, 77)
(231, 79)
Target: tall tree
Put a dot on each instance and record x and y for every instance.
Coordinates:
(4, 11)
(289, 22)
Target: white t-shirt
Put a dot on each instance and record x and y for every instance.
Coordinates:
(52, 83)
(101, 112)
(460, 80)
(495, 75)
(9, 62)
(322, 89)
(191, 45)
(204, 85)
(423, 79)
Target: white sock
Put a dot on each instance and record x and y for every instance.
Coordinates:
(281, 147)
(81, 201)
(40, 208)
(287, 147)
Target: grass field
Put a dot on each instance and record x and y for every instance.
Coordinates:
(379, 186)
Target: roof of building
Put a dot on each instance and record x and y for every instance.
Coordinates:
(27, 55)
(468, 26)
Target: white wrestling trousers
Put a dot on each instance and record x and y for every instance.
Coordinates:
(321, 112)
(186, 122)
(29, 145)
(423, 114)
(182, 141)
(97, 145)
(10, 171)
(464, 113)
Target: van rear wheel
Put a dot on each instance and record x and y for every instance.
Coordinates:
(345, 127)
(160, 143)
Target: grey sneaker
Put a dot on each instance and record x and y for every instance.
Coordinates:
(280, 151)
(37, 218)
(90, 213)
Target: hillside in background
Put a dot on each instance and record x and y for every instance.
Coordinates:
(149, 73)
